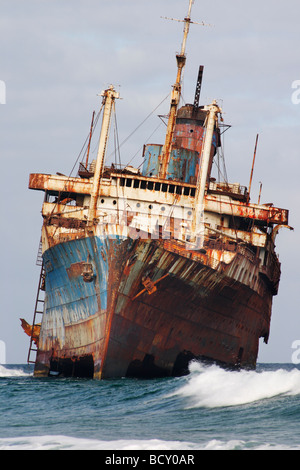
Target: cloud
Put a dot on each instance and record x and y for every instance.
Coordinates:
(58, 54)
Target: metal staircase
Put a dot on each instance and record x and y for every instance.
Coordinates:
(39, 306)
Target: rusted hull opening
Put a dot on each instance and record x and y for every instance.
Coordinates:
(146, 369)
(81, 367)
(181, 365)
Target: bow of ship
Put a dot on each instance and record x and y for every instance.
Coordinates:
(144, 270)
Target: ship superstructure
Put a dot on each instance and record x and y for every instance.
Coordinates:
(144, 270)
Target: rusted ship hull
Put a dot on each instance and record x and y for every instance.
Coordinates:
(147, 268)
(148, 308)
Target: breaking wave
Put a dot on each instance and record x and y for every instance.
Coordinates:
(58, 442)
(73, 443)
(212, 386)
(15, 371)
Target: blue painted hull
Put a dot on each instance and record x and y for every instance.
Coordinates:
(107, 324)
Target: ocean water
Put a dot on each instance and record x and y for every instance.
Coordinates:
(210, 409)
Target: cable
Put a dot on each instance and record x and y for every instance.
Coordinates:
(146, 118)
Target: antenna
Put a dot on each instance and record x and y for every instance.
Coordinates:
(175, 95)
(187, 20)
(182, 21)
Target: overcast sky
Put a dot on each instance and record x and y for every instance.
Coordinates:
(57, 55)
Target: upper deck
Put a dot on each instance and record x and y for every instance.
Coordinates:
(220, 198)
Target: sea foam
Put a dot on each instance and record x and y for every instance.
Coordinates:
(14, 371)
(212, 386)
(60, 442)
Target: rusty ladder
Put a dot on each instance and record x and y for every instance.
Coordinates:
(39, 303)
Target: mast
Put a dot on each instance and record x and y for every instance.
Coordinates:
(212, 117)
(175, 97)
(90, 138)
(251, 176)
(109, 97)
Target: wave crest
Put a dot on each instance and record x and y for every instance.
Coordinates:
(212, 386)
(14, 371)
(59, 442)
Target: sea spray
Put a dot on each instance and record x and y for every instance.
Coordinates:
(212, 386)
(15, 371)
